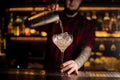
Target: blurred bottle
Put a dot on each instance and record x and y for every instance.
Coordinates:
(94, 16)
(1, 41)
(94, 20)
(88, 17)
(18, 23)
(22, 27)
(113, 24)
(3, 36)
(100, 21)
(106, 22)
(118, 21)
(10, 25)
(1, 44)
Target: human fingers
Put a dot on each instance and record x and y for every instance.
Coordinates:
(73, 70)
(66, 66)
(55, 6)
(52, 7)
(70, 66)
(76, 72)
(66, 63)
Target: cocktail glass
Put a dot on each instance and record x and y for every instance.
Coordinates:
(62, 41)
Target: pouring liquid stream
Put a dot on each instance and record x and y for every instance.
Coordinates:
(61, 26)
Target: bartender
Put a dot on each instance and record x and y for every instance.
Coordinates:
(82, 31)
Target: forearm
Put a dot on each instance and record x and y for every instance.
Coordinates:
(83, 57)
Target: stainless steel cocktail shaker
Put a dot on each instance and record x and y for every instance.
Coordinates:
(42, 18)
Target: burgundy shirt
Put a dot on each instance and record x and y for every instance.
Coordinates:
(83, 35)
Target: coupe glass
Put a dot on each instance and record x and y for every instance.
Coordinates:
(62, 41)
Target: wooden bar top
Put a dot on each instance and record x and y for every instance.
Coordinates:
(31, 74)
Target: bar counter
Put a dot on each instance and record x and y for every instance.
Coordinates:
(33, 74)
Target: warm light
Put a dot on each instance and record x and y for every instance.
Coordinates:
(32, 31)
(27, 31)
(43, 33)
(102, 34)
(42, 72)
(87, 64)
(91, 59)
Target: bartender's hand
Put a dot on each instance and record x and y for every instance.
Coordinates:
(70, 67)
(52, 7)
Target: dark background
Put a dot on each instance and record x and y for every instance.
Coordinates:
(7, 3)
(14, 3)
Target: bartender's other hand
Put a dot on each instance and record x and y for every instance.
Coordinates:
(70, 67)
(53, 7)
